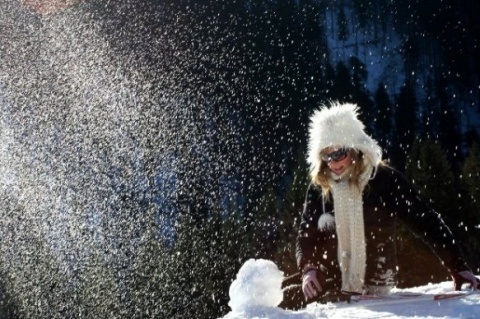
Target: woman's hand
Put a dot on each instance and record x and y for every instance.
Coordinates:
(465, 276)
(310, 285)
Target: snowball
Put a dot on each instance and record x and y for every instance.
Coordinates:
(258, 283)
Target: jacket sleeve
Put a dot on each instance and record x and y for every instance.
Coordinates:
(424, 222)
(313, 246)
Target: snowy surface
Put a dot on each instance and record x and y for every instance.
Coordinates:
(257, 288)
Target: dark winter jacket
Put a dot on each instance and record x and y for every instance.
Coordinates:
(387, 198)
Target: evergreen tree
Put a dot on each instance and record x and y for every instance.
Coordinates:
(383, 117)
(311, 64)
(265, 224)
(471, 137)
(276, 221)
(342, 88)
(290, 212)
(360, 93)
(405, 124)
(342, 24)
(470, 208)
(411, 57)
(429, 171)
(190, 269)
(206, 256)
(329, 79)
(152, 285)
(450, 135)
(363, 11)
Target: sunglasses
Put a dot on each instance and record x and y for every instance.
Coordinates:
(336, 156)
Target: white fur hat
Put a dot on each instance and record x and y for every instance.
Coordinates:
(338, 125)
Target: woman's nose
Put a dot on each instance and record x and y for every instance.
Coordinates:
(333, 164)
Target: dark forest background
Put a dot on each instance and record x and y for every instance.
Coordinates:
(224, 90)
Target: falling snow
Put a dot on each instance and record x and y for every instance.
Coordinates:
(133, 133)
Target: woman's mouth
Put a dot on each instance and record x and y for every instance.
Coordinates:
(338, 171)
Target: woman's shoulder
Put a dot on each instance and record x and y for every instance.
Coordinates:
(314, 189)
(387, 171)
(314, 193)
(386, 175)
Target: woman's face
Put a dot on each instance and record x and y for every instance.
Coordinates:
(338, 159)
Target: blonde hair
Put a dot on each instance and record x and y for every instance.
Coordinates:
(321, 174)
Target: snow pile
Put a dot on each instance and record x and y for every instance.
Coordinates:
(258, 284)
(256, 292)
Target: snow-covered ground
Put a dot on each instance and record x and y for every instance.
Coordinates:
(256, 291)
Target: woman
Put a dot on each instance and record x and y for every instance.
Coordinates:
(346, 240)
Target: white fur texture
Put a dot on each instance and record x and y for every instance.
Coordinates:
(338, 125)
(326, 222)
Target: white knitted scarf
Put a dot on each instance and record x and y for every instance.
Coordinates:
(352, 252)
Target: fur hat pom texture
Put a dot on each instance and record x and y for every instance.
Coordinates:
(337, 124)
(326, 222)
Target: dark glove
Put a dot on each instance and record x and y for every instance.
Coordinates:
(465, 276)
